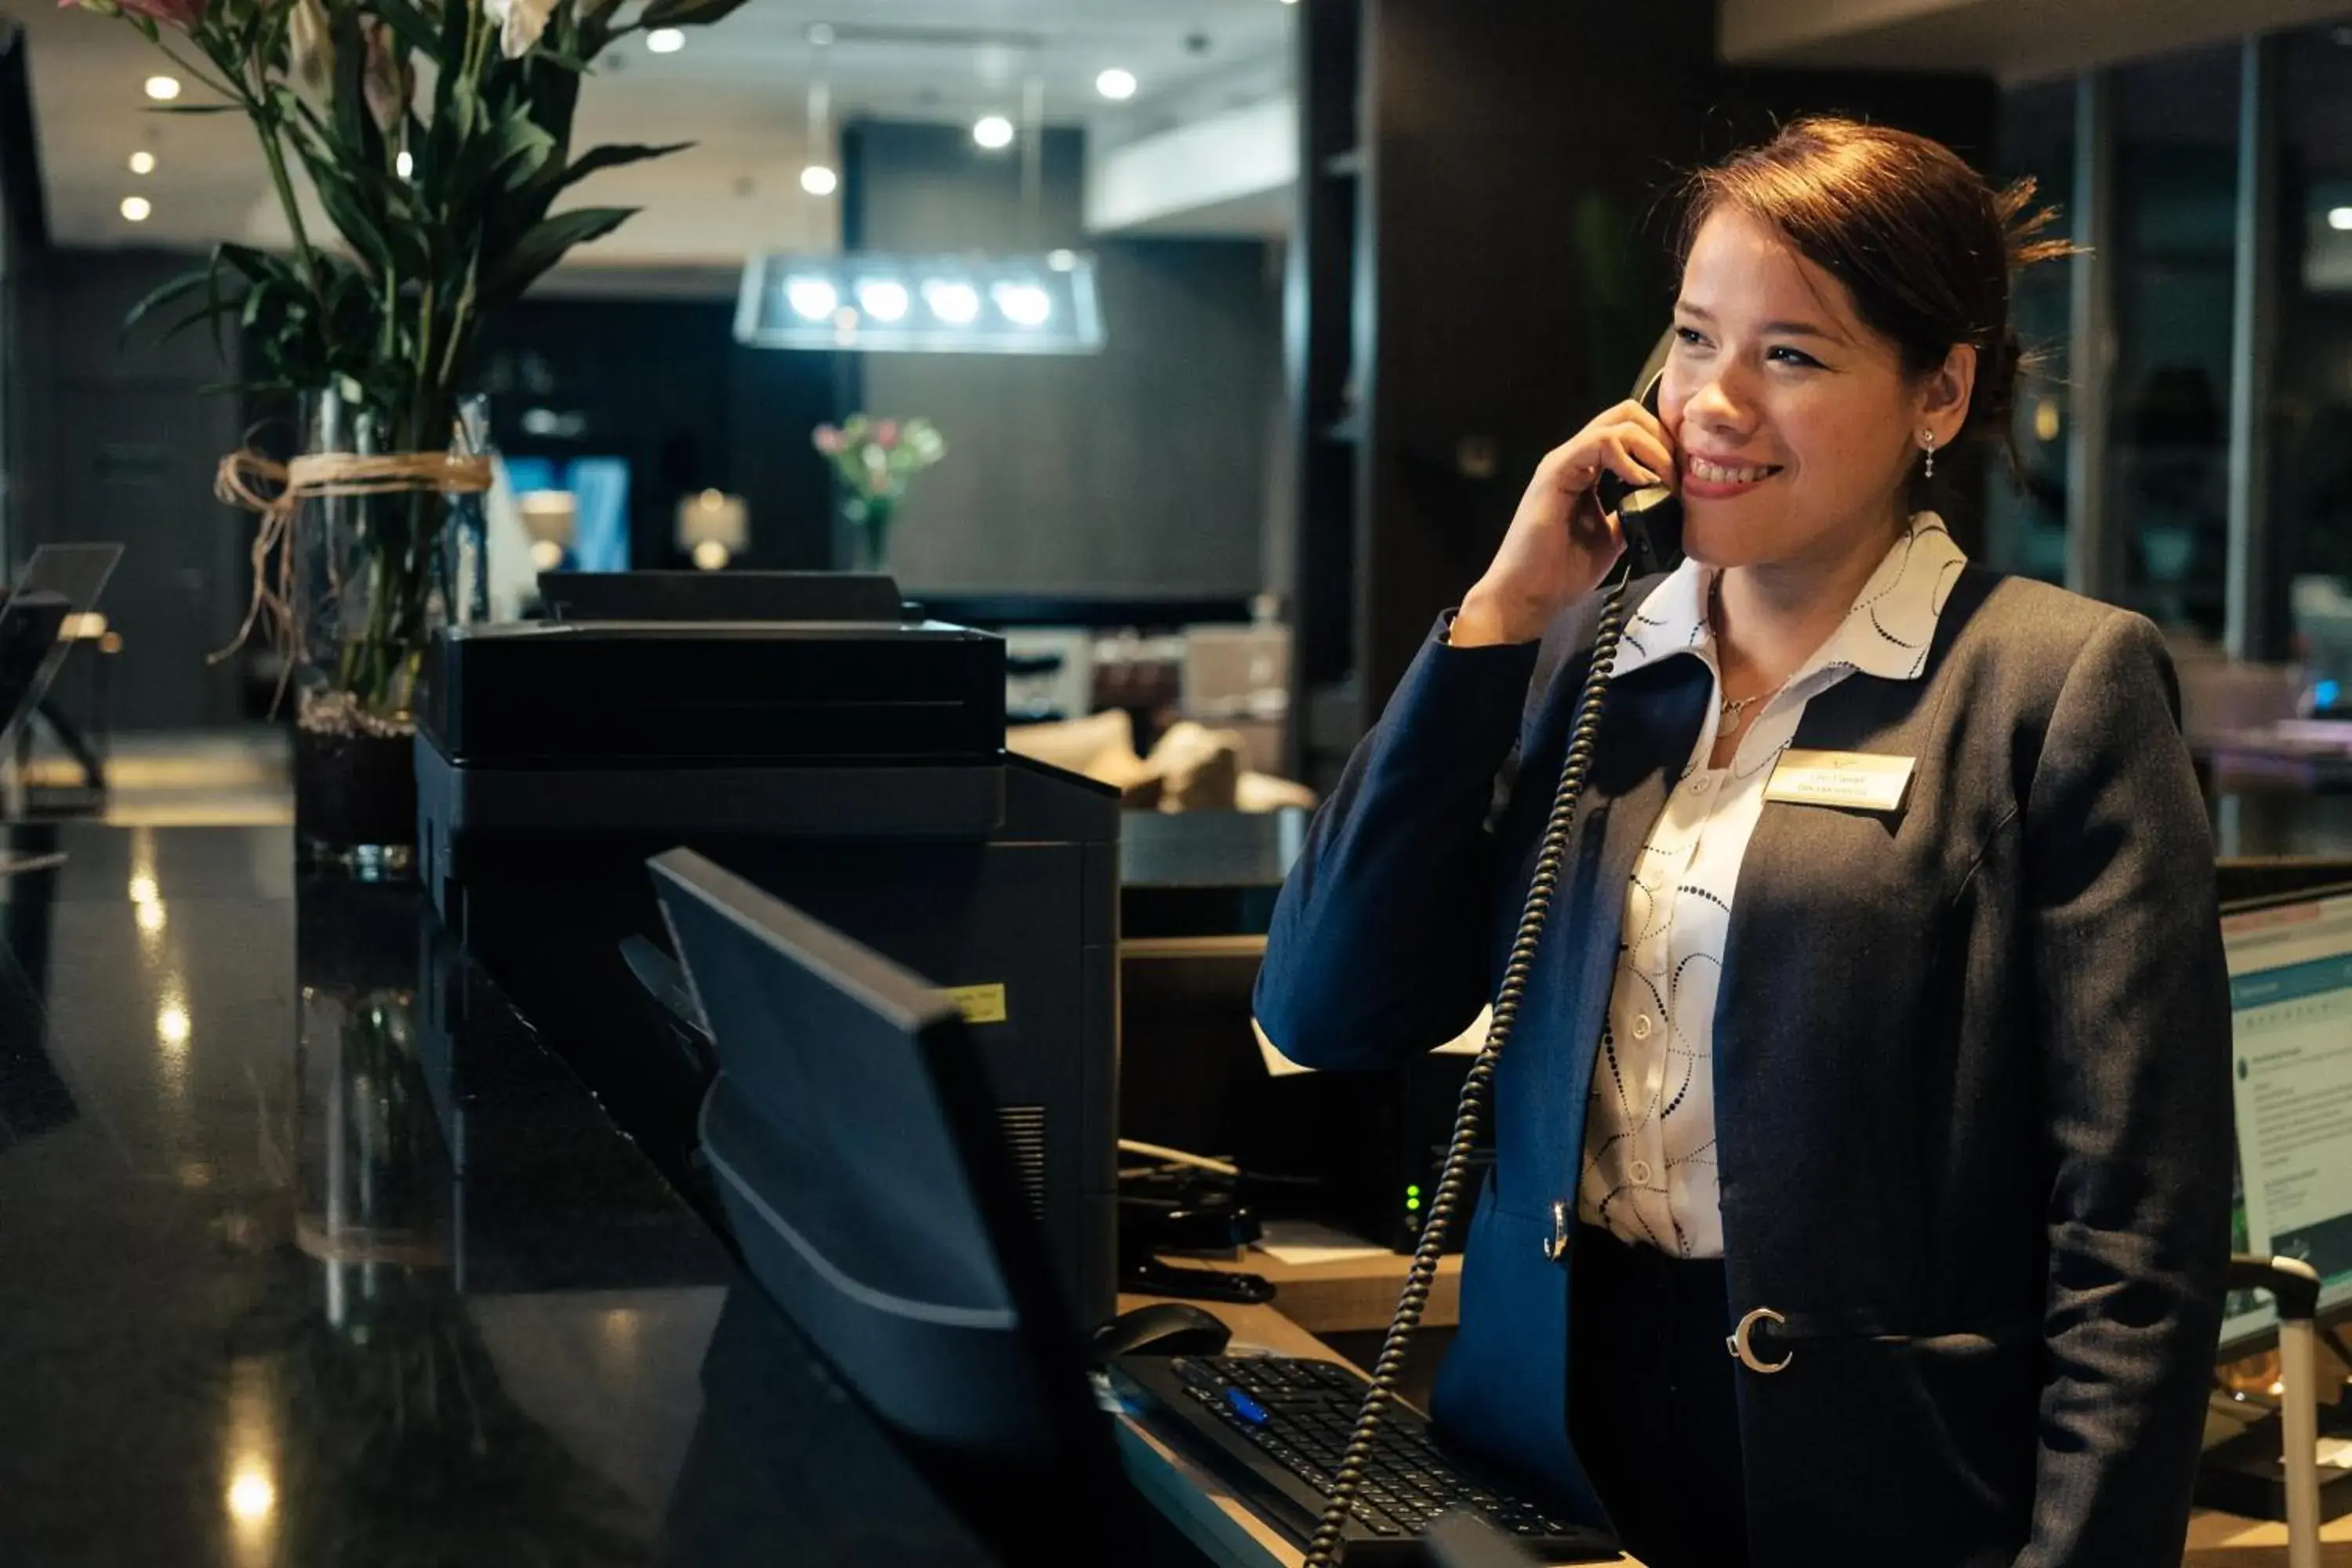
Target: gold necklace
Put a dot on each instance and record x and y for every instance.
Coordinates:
(1728, 714)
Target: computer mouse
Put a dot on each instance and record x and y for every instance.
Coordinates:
(1163, 1328)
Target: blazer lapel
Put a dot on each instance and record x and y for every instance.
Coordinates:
(1648, 728)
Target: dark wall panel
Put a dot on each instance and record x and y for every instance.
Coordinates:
(1141, 470)
(663, 384)
(1516, 156)
(119, 440)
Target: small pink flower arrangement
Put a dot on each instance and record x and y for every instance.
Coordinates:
(872, 461)
(876, 457)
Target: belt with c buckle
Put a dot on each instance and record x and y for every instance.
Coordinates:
(1742, 1342)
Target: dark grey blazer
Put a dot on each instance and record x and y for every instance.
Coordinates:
(1971, 1071)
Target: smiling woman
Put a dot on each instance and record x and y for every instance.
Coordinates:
(1888, 982)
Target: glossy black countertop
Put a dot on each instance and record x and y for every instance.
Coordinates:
(312, 1254)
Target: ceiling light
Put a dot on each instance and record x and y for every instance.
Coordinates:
(954, 303)
(811, 299)
(820, 33)
(960, 302)
(2339, 218)
(882, 298)
(1115, 84)
(819, 181)
(1061, 260)
(163, 88)
(1024, 304)
(993, 131)
(142, 161)
(136, 209)
(404, 164)
(665, 40)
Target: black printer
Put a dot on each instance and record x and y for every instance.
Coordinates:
(854, 767)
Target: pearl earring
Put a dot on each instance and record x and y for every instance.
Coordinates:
(1927, 444)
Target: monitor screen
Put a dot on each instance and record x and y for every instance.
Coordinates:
(2291, 1010)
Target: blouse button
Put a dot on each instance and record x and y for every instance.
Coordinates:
(1640, 1173)
(1642, 1025)
(1700, 785)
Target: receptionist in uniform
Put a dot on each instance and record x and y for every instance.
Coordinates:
(1863, 1158)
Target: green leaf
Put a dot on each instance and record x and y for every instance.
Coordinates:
(686, 13)
(543, 244)
(197, 108)
(519, 151)
(612, 156)
(166, 293)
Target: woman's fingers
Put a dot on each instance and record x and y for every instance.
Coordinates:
(1616, 453)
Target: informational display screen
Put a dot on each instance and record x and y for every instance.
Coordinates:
(2291, 1008)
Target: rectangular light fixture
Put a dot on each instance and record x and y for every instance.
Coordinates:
(871, 302)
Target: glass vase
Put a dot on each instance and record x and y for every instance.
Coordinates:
(865, 524)
(374, 575)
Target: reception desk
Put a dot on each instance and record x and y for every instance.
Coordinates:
(312, 1251)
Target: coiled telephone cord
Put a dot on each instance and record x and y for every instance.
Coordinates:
(1388, 1372)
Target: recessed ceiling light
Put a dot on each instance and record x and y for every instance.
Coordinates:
(819, 181)
(1061, 260)
(2339, 218)
(142, 161)
(1115, 84)
(993, 131)
(163, 88)
(820, 33)
(665, 40)
(136, 209)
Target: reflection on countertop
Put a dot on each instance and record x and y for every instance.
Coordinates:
(311, 1254)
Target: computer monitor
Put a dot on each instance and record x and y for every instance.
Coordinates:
(856, 1152)
(2289, 961)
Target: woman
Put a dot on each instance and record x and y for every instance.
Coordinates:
(1908, 1072)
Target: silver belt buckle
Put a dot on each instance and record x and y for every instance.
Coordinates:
(1555, 1247)
(1741, 1343)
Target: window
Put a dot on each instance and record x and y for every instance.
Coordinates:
(2025, 516)
(2174, 237)
(2310, 431)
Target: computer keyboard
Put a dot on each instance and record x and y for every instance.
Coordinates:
(1279, 1424)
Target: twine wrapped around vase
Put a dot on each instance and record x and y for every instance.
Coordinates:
(275, 491)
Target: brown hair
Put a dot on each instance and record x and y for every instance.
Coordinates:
(1921, 241)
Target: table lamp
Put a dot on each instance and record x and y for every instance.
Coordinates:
(713, 528)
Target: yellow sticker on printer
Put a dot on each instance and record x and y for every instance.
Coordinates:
(978, 1003)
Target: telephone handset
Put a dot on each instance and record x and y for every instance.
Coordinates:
(1651, 518)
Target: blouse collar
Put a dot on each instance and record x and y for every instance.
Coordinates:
(1887, 634)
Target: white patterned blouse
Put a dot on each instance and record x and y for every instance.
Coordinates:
(1649, 1138)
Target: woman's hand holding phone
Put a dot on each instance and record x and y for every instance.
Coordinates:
(1560, 543)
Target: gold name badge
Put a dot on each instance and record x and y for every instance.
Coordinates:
(978, 1003)
(1856, 780)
